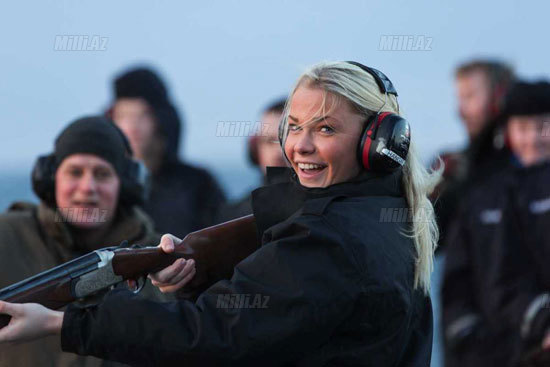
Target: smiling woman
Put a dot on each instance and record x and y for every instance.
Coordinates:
(319, 139)
(340, 284)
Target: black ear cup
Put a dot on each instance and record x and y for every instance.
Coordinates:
(43, 178)
(136, 183)
(384, 143)
(136, 179)
(252, 149)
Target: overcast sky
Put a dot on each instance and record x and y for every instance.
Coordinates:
(225, 60)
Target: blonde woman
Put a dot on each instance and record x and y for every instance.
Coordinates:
(343, 273)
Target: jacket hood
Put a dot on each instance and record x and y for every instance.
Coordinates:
(146, 84)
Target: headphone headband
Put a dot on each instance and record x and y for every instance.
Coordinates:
(383, 82)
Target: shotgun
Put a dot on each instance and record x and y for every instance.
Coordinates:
(216, 251)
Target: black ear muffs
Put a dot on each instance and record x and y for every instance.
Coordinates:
(135, 180)
(135, 183)
(252, 149)
(43, 178)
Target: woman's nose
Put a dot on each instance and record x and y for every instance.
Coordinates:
(304, 144)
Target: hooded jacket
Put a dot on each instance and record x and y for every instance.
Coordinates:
(183, 198)
(331, 284)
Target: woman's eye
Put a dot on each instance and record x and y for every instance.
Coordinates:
(327, 129)
(294, 127)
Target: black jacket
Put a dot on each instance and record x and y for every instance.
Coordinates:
(183, 199)
(332, 284)
(521, 299)
(474, 336)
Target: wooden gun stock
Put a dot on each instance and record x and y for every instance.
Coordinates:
(216, 251)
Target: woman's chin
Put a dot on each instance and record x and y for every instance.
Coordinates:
(312, 179)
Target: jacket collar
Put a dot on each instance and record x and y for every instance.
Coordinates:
(284, 195)
(130, 224)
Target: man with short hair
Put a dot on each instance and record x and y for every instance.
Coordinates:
(481, 86)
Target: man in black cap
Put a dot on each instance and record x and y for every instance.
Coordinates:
(476, 290)
(90, 190)
(183, 198)
(520, 299)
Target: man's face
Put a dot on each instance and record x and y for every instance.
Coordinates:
(474, 101)
(86, 190)
(529, 138)
(136, 120)
(270, 153)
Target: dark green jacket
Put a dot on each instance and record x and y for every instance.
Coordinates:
(33, 239)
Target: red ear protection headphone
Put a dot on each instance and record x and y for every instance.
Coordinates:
(386, 137)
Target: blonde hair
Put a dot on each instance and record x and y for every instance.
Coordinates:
(342, 79)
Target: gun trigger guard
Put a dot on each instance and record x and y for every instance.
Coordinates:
(140, 284)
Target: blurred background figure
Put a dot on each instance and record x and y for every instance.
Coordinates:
(476, 285)
(90, 197)
(183, 198)
(264, 150)
(480, 88)
(519, 299)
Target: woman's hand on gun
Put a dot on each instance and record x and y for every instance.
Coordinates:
(29, 321)
(177, 275)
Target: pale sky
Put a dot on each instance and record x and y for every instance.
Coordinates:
(225, 60)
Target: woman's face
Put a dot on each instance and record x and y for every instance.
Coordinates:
(322, 148)
(86, 190)
(528, 139)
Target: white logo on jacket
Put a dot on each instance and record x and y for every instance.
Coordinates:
(539, 206)
(490, 216)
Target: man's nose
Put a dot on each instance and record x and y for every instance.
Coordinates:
(87, 182)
